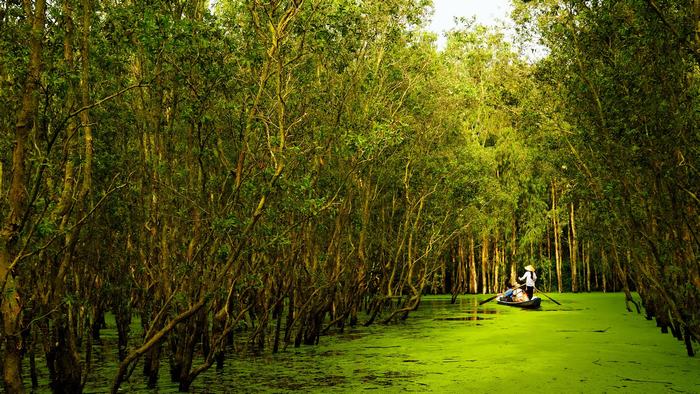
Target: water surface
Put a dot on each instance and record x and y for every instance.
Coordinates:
(588, 344)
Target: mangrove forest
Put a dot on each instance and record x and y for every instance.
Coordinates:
(188, 186)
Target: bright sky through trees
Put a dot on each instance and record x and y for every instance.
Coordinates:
(487, 12)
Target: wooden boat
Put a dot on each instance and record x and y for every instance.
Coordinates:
(534, 303)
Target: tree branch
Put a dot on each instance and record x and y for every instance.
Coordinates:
(685, 43)
(102, 100)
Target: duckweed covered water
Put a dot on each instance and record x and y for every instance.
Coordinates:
(588, 344)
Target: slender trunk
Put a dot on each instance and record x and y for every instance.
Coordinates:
(549, 259)
(549, 245)
(514, 251)
(464, 265)
(85, 101)
(555, 229)
(473, 279)
(123, 320)
(458, 263)
(596, 274)
(32, 369)
(151, 366)
(604, 269)
(484, 264)
(151, 359)
(624, 272)
(219, 338)
(587, 265)
(98, 323)
(278, 325)
(496, 266)
(573, 249)
(443, 277)
(290, 319)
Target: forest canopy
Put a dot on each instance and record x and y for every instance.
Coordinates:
(273, 170)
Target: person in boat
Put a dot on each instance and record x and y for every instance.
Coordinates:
(529, 277)
(508, 293)
(519, 296)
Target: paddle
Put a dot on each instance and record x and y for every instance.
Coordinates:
(491, 298)
(552, 299)
(487, 300)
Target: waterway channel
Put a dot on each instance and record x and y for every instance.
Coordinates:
(588, 344)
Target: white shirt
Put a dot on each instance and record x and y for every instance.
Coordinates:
(530, 278)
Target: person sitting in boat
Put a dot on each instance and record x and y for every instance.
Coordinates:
(519, 295)
(529, 277)
(508, 293)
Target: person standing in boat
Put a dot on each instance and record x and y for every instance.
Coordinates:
(529, 277)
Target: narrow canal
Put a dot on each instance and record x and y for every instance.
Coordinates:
(588, 344)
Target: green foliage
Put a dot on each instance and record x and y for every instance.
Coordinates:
(627, 81)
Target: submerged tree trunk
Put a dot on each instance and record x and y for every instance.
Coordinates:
(65, 358)
(122, 316)
(621, 271)
(473, 279)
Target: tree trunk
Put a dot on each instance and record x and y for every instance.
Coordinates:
(70, 212)
(514, 252)
(151, 358)
(485, 265)
(587, 265)
(181, 365)
(66, 360)
(557, 241)
(16, 199)
(458, 278)
(604, 269)
(443, 277)
(696, 11)
(473, 279)
(496, 266)
(122, 316)
(573, 249)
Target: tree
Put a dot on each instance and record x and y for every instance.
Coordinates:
(627, 73)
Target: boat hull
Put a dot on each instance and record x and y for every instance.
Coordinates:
(534, 303)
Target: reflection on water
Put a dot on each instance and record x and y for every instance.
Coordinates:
(317, 367)
(486, 311)
(464, 318)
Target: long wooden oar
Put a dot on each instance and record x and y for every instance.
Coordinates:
(491, 298)
(487, 300)
(552, 299)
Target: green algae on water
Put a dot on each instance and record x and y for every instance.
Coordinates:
(588, 344)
